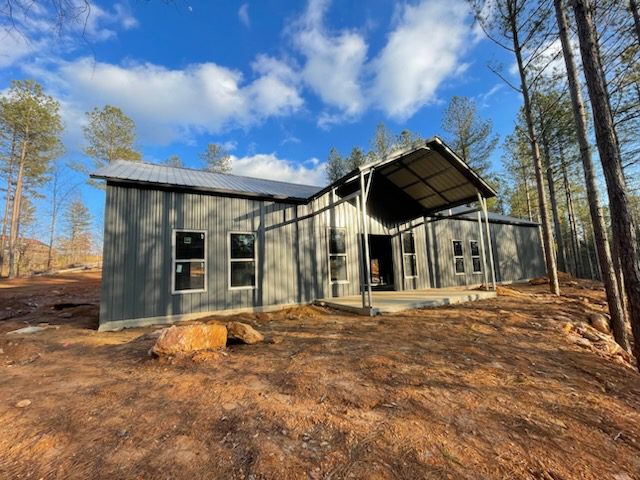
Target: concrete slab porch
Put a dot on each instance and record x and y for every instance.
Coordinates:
(392, 301)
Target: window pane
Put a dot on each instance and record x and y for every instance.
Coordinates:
(337, 241)
(338, 266)
(459, 265)
(243, 274)
(457, 248)
(410, 266)
(476, 265)
(408, 243)
(189, 245)
(475, 250)
(242, 245)
(189, 276)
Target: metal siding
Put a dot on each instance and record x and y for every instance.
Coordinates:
(292, 257)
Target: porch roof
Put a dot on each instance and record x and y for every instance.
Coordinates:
(416, 182)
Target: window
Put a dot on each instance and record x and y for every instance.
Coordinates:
(189, 261)
(338, 255)
(409, 256)
(458, 257)
(242, 260)
(475, 256)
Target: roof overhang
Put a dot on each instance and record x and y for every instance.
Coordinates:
(417, 182)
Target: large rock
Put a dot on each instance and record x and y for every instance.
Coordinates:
(186, 339)
(244, 333)
(600, 322)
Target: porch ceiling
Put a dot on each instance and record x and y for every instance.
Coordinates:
(420, 182)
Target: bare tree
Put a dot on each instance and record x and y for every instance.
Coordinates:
(60, 191)
(624, 233)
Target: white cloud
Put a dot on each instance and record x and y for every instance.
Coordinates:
(170, 104)
(333, 60)
(100, 23)
(422, 51)
(14, 46)
(243, 15)
(38, 29)
(269, 166)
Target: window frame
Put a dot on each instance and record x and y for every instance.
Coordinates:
(406, 254)
(455, 257)
(329, 255)
(175, 261)
(238, 260)
(479, 257)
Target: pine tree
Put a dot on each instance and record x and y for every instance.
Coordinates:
(607, 271)
(382, 144)
(336, 166)
(470, 137)
(216, 158)
(624, 231)
(356, 159)
(110, 136)
(77, 243)
(515, 25)
(34, 119)
(174, 161)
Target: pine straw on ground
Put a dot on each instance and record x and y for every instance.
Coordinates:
(490, 389)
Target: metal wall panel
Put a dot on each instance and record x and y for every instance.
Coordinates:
(292, 251)
(516, 249)
(292, 256)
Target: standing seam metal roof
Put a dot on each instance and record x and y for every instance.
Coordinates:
(147, 173)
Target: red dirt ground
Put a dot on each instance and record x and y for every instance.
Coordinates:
(492, 389)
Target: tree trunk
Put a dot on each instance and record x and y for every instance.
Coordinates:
(624, 233)
(7, 203)
(54, 214)
(615, 295)
(633, 6)
(15, 211)
(594, 246)
(552, 270)
(560, 254)
(526, 193)
(573, 227)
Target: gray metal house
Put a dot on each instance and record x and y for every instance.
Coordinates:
(181, 243)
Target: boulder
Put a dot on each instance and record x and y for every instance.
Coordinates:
(244, 333)
(186, 339)
(599, 322)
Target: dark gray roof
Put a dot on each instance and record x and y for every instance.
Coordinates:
(493, 217)
(161, 175)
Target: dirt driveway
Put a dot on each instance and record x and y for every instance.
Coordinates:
(491, 389)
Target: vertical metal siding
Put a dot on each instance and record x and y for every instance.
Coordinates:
(292, 256)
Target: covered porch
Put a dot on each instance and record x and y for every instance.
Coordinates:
(395, 301)
(409, 189)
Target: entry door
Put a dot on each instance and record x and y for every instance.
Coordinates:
(381, 267)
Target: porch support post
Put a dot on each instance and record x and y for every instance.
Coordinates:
(483, 202)
(360, 251)
(365, 230)
(484, 252)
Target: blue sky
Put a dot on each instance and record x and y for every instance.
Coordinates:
(278, 82)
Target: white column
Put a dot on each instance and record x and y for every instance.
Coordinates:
(484, 252)
(360, 252)
(489, 242)
(365, 229)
